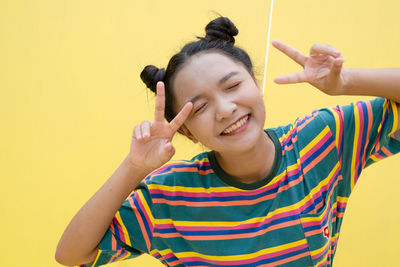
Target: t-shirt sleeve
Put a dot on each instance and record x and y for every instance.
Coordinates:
(364, 134)
(130, 232)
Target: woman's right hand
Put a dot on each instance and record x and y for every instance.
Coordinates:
(151, 145)
(150, 148)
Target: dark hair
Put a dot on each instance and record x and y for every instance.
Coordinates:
(219, 38)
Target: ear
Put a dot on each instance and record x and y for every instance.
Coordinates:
(184, 131)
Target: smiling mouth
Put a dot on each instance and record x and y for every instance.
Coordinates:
(237, 126)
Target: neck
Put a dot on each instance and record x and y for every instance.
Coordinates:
(258, 161)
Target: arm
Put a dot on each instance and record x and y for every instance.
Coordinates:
(372, 82)
(79, 243)
(150, 148)
(324, 70)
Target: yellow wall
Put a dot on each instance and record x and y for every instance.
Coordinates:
(70, 95)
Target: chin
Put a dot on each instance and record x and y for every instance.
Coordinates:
(248, 142)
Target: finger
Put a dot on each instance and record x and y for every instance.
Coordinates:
(169, 148)
(297, 77)
(179, 119)
(290, 52)
(137, 133)
(168, 151)
(337, 65)
(145, 129)
(160, 103)
(324, 49)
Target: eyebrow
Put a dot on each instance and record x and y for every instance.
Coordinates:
(194, 99)
(221, 81)
(226, 77)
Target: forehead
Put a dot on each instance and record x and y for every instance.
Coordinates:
(203, 72)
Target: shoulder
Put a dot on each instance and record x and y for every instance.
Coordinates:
(306, 126)
(180, 172)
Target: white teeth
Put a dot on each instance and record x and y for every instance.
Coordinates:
(236, 125)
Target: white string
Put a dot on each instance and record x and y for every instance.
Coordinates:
(266, 54)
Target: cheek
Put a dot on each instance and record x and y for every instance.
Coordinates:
(261, 104)
(202, 126)
(257, 102)
(196, 127)
(253, 98)
(261, 108)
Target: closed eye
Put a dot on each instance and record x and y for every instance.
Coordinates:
(200, 108)
(234, 85)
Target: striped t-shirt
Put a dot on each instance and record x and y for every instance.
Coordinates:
(191, 213)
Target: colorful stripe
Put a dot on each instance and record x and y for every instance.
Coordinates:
(184, 214)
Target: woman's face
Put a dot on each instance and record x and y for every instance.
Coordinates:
(228, 109)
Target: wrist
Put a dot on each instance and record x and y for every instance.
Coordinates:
(139, 171)
(346, 76)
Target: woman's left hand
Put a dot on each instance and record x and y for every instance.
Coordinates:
(322, 69)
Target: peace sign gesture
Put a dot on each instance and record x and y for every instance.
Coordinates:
(322, 69)
(151, 145)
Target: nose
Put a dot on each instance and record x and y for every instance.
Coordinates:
(224, 108)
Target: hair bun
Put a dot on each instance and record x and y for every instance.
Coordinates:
(150, 75)
(221, 28)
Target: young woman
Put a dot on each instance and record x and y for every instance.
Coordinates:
(258, 197)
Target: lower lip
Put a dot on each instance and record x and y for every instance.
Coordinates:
(240, 129)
